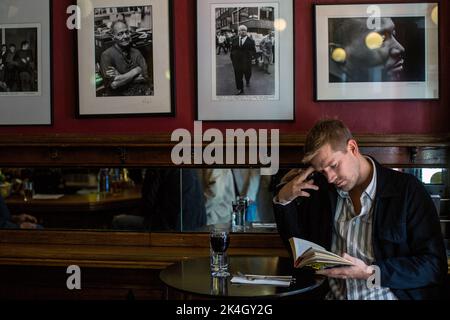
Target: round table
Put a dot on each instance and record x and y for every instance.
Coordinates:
(194, 277)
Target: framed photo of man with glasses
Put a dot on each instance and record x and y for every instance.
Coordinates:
(377, 51)
(126, 75)
(245, 60)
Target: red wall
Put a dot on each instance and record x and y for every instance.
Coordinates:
(362, 117)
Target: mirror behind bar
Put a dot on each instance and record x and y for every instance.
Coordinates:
(156, 199)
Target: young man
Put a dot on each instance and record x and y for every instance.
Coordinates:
(25, 67)
(380, 219)
(11, 79)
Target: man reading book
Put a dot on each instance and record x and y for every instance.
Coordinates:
(375, 217)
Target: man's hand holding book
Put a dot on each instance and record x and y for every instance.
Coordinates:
(359, 270)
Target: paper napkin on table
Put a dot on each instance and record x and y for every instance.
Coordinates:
(263, 225)
(273, 282)
(40, 196)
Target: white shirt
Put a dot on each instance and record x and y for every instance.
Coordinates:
(352, 234)
(242, 40)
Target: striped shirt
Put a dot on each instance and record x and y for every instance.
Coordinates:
(352, 234)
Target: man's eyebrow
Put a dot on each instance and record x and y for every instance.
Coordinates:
(328, 163)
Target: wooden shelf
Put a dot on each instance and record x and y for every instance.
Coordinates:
(155, 150)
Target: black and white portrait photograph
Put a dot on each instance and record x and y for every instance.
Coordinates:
(377, 51)
(123, 51)
(395, 51)
(25, 63)
(245, 60)
(245, 51)
(19, 59)
(125, 61)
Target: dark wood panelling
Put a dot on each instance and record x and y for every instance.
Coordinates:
(135, 239)
(75, 237)
(155, 150)
(43, 283)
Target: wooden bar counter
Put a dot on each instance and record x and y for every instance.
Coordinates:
(114, 265)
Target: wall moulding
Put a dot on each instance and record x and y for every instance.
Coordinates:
(155, 150)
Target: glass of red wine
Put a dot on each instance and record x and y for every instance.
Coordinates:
(219, 240)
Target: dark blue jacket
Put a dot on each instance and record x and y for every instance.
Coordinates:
(407, 241)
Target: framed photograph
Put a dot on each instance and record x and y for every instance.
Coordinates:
(245, 65)
(377, 51)
(124, 58)
(25, 63)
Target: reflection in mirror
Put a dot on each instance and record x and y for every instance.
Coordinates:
(222, 186)
(172, 200)
(436, 182)
(133, 199)
(154, 199)
(69, 198)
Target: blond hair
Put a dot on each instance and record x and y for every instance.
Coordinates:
(327, 131)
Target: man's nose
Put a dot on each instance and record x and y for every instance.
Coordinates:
(331, 176)
(397, 48)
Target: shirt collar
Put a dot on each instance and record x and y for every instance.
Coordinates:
(371, 188)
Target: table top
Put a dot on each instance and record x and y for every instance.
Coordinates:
(193, 276)
(90, 201)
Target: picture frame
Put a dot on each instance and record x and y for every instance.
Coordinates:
(245, 82)
(376, 52)
(125, 61)
(25, 63)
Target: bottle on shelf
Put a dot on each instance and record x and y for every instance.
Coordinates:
(104, 181)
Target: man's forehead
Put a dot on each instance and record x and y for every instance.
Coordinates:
(386, 24)
(324, 157)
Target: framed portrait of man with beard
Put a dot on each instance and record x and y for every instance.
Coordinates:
(377, 51)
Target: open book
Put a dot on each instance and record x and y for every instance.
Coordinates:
(307, 253)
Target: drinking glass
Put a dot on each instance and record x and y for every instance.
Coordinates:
(239, 217)
(219, 239)
(27, 190)
(219, 286)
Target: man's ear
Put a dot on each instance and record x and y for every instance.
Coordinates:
(352, 146)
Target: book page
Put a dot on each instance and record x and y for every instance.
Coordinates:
(300, 246)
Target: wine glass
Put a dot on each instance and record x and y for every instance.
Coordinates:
(219, 240)
(27, 190)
